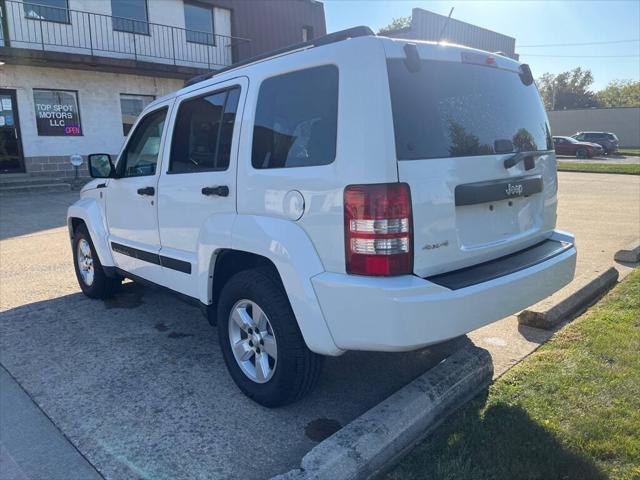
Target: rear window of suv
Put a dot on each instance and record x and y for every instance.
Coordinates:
(449, 109)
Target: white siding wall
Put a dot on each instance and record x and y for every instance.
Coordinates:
(98, 101)
(95, 35)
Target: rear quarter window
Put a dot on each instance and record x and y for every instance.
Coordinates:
(296, 119)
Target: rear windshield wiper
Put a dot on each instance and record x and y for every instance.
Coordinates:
(520, 156)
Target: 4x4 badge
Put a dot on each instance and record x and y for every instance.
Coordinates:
(432, 246)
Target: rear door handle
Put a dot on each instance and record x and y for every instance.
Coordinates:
(147, 191)
(220, 191)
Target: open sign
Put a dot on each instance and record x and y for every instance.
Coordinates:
(72, 130)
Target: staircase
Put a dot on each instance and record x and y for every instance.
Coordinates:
(12, 183)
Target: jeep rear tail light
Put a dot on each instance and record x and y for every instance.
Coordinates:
(377, 226)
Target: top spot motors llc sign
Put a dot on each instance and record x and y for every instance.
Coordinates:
(57, 113)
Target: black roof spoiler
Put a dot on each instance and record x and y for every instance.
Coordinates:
(334, 37)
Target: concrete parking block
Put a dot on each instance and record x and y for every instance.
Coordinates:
(571, 300)
(371, 442)
(629, 254)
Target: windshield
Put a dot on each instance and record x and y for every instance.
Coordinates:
(449, 109)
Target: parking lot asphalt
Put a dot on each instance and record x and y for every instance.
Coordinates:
(137, 383)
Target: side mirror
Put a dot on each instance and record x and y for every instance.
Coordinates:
(100, 165)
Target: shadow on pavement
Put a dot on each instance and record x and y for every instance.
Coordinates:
(138, 384)
(24, 214)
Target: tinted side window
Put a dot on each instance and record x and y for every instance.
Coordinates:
(140, 157)
(296, 119)
(203, 132)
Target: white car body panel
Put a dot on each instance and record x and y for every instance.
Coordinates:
(296, 260)
(363, 153)
(183, 211)
(407, 312)
(132, 219)
(90, 209)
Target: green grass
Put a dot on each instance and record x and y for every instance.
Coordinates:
(569, 411)
(632, 169)
(629, 151)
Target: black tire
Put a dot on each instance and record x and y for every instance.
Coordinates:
(102, 286)
(582, 153)
(297, 369)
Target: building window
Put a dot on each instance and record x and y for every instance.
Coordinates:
(307, 33)
(130, 16)
(203, 133)
(49, 10)
(57, 113)
(199, 24)
(132, 106)
(296, 119)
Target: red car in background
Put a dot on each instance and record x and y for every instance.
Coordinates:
(571, 146)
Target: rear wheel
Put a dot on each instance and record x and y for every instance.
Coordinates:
(261, 342)
(582, 153)
(89, 272)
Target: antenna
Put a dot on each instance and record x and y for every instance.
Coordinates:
(446, 23)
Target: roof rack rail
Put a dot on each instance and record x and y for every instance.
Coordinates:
(360, 31)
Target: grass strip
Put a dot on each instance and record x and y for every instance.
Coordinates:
(628, 169)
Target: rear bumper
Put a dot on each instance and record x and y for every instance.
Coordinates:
(408, 312)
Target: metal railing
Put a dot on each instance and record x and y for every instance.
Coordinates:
(34, 26)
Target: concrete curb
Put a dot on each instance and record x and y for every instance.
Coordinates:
(630, 254)
(369, 443)
(570, 300)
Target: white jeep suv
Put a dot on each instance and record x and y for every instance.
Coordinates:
(350, 193)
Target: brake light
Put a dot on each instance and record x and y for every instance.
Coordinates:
(377, 226)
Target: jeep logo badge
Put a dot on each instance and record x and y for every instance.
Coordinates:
(513, 190)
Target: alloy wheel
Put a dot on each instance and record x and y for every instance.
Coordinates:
(252, 341)
(85, 262)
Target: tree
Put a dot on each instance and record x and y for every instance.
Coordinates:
(464, 143)
(396, 24)
(567, 90)
(620, 93)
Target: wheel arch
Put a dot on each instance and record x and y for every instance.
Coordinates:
(284, 246)
(87, 211)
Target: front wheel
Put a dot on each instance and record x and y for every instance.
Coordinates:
(260, 340)
(582, 153)
(89, 272)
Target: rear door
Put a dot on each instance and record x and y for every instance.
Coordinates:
(199, 177)
(458, 115)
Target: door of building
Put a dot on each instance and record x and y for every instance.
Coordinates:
(11, 159)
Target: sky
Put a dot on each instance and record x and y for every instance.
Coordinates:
(530, 23)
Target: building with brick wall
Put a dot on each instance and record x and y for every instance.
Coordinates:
(74, 74)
